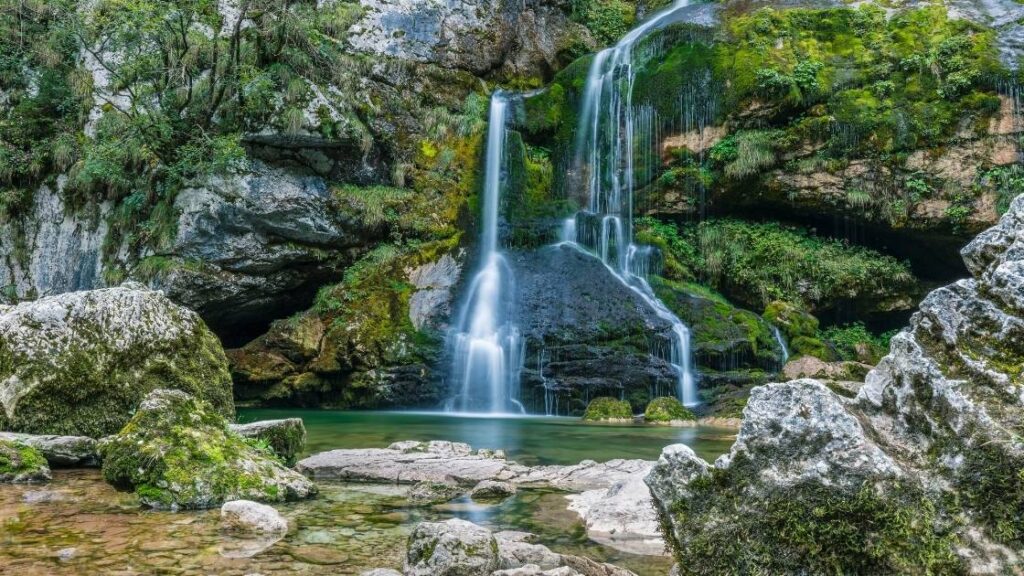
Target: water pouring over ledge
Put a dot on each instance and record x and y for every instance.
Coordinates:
(487, 346)
(605, 157)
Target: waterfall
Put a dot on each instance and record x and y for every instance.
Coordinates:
(782, 344)
(606, 150)
(487, 347)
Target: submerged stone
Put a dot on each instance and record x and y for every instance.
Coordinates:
(80, 363)
(177, 452)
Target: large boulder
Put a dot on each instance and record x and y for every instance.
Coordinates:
(80, 363)
(178, 453)
(922, 471)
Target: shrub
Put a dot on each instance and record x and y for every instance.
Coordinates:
(667, 409)
(607, 408)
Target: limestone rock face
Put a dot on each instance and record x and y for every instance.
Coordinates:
(64, 249)
(592, 330)
(921, 469)
(80, 363)
(252, 240)
(178, 453)
(474, 35)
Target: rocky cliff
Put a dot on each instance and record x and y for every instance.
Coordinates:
(920, 471)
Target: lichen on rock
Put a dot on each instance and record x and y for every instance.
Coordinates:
(178, 453)
(80, 363)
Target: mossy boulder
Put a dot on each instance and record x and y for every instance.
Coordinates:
(178, 452)
(20, 463)
(666, 409)
(608, 409)
(285, 437)
(80, 363)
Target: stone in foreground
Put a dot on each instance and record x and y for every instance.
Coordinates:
(22, 464)
(249, 516)
(460, 548)
(286, 437)
(921, 472)
(178, 453)
(80, 363)
(60, 451)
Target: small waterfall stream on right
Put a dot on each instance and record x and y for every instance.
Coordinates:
(605, 158)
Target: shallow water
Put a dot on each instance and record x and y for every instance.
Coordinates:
(528, 440)
(80, 525)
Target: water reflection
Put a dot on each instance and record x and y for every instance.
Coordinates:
(530, 440)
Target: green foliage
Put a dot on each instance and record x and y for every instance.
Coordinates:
(855, 342)
(756, 264)
(666, 409)
(607, 20)
(608, 408)
(800, 329)
(1008, 183)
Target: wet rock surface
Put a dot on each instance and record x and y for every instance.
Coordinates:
(587, 334)
(286, 437)
(249, 516)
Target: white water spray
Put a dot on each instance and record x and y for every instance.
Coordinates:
(605, 154)
(488, 349)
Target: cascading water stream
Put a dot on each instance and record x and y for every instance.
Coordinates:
(487, 346)
(782, 344)
(605, 152)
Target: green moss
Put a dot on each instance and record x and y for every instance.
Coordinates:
(21, 463)
(607, 408)
(727, 526)
(666, 409)
(177, 452)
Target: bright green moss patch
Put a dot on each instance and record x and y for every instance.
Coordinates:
(666, 409)
(606, 408)
(177, 452)
(22, 463)
(729, 526)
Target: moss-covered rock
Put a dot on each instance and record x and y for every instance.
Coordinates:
(608, 409)
(666, 409)
(286, 437)
(177, 452)
(800, 329)
(21, 463)
(80, 363)
(920, 470)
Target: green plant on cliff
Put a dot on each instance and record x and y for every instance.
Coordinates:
(607, 408)
(666, 409)
(755, 264)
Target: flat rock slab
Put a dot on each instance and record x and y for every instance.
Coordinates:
(60, 451)
(388, 465)
(412, 462)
